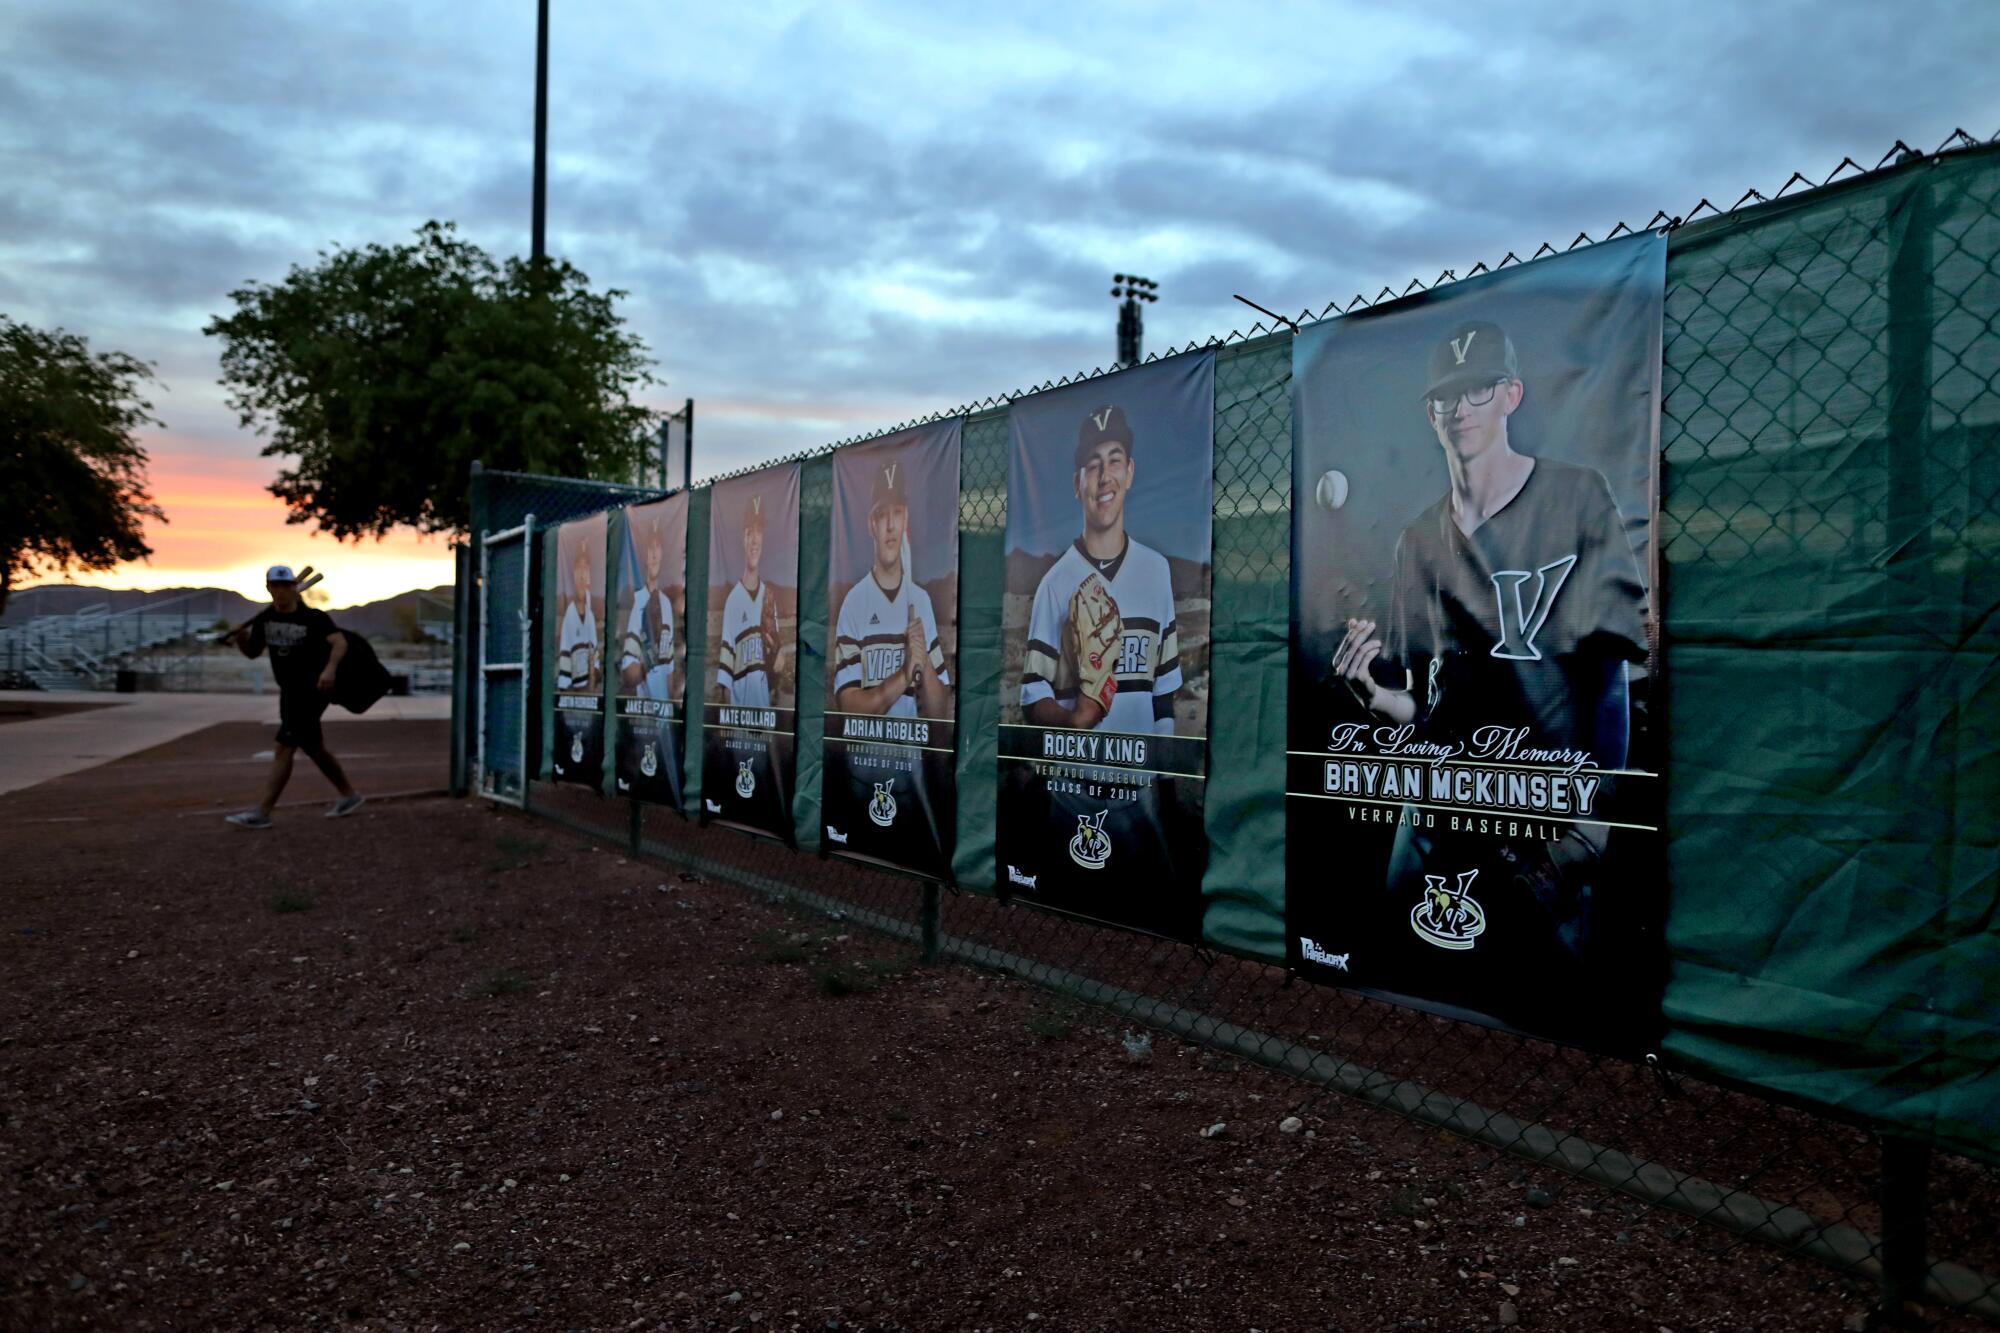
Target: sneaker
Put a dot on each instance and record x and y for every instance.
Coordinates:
(346, 805)
(249, 819)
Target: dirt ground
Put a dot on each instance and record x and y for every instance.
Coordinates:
(443, 1066)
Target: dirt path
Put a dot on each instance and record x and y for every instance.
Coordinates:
(442, 1066)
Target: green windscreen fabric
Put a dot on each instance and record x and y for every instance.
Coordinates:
(1244, 888)
(544, 681)
(982, 525)
(1831, 540)
(700, 669)
(617, 574)
(815, 543)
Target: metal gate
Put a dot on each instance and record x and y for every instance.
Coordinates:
(506, 587)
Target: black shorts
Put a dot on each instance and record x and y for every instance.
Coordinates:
(298, 718)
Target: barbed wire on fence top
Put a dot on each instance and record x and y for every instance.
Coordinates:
(1899, 155)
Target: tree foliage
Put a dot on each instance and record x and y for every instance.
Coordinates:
(72, 475)
(383, 372)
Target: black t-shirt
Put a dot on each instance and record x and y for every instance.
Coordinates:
(297, 642)
(1524, 622)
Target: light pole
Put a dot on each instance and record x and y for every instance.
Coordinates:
(540, 247)
(1131, 290)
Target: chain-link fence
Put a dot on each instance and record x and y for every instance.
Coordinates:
(1830, 548)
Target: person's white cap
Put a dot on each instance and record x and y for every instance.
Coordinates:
(280, 574)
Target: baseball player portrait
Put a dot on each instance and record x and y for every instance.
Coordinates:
(306, 649)
(1469, 730)
(1103, 643)
(579, 658)
(750, 660)
(646, 654)
(1103, 740)
(1517, 603)
(1517, 598)
(888, 657)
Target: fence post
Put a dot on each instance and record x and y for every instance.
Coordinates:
(530, 580)
(933, 910)
(463, 664)
(1906, 1178)
(467, 653)
(636, 828)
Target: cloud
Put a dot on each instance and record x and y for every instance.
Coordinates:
(827, 212)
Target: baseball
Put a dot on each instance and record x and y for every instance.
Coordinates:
(1332, 490)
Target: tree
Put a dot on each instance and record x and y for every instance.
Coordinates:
(72, 476)
(385, 371)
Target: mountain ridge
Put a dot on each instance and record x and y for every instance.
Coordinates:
(387, 618)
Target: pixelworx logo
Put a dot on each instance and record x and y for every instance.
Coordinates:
(882, 806)
(1310, 950)
(1091, 847)
(835, 835)
(1014, 876)
(713, 808)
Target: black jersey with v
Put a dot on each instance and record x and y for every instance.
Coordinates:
(1528, 621)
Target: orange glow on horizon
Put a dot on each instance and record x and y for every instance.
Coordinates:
(224, 529)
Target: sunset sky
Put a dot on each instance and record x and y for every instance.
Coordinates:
(834, 218)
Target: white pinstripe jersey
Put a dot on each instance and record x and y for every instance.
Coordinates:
(577, 648)
(651, 645)
(869, 637)
(1149, 663)
(741, 670)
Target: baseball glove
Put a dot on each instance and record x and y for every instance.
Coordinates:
(1091, 640)
(1559, 877)
(769, 629)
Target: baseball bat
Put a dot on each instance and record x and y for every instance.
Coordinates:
(307, 579)
(917, 667)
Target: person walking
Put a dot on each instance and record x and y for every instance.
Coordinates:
(305, 648)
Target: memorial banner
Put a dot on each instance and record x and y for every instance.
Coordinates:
(1472, 784)
(891, 680)
(577, 652)
(651, 651)
(1104, 643)
(751, 716)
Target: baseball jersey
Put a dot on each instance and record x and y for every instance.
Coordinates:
(576, 647)
(1529, 621)
(649, 643)
(741, 670)
(869, 638)
(1149, 663)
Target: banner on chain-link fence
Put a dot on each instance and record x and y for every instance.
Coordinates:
(887, 793)
(650, 649)
(753, 617)
(1474, 773)
(578, 651)
(1827, 571)
(1104, 635)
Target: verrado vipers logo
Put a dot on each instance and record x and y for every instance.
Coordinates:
(1091, 847)
(1520, 622)
(882, 806)
(1448, 918)
(746, 781)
